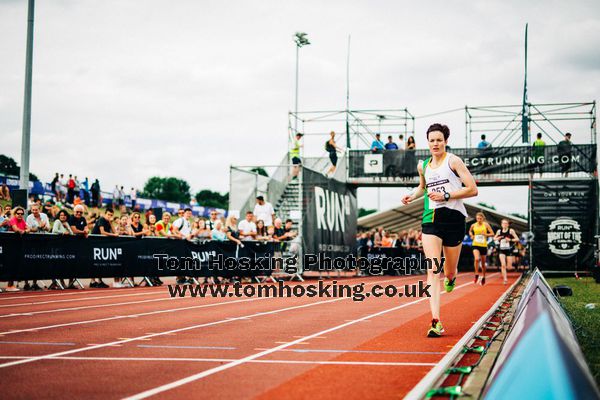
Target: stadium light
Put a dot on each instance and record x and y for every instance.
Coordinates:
(301, 40)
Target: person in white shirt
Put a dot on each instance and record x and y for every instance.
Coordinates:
(401, 142)
(133, 196)
(247, 227)
(37, 221)
(264, 210)
(182, 225)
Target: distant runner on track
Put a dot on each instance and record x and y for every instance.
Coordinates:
(479, 233)
(441, 179)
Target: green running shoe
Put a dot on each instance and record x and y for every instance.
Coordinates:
(449, 284)
(436, 329)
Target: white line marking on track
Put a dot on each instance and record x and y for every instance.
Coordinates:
(223, 367)
(40, 343)
(79, 292)
(221, 360)
(34, 303)
(356, 351)
(218, 322)
(186, 347)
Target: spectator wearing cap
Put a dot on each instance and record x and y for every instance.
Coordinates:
(264, 210)
(377, 145)
(564, 149)
(247, 227)
(390, 145)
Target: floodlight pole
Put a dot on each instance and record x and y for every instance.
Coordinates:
(300, 40)
(25, 141)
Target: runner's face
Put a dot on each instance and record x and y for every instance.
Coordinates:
(437, 144)
(479, 218)
(504, 225)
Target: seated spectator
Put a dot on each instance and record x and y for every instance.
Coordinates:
(182, 226)
(247, 227)
(218, 232)
(61, 225)
(4, 192)
(390, 145)
(37, 221)
(232, 231)
(377, 145)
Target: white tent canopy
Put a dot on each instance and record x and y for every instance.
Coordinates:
(409, 216)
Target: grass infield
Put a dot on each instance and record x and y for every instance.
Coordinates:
(585, 321)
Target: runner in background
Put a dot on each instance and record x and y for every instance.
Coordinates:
(442, 177)
(479, 233)
(505, 237)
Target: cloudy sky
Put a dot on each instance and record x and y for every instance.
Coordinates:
(124, 90)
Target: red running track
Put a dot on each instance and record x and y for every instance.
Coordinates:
(139, 343)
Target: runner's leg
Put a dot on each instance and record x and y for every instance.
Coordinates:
(432, 247)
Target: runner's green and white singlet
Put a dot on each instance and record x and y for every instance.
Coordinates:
(443, 180)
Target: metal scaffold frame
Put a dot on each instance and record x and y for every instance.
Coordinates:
(502, 124)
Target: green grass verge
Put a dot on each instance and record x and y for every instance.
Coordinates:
(586, 322)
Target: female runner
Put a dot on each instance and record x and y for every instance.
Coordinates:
(479, 232)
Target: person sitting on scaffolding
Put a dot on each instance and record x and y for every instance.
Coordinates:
(295, 155)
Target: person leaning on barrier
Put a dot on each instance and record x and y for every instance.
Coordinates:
(38, 221)
(247, 227)
(232, 232)
(261, 230)
(5, 219)
(136, 229)
(61, 227)
(103, 227)
(78, 223)
(182, 226)
(150, 226)
(17, 225)
(217, 232)
(564, 149)
(163, 227)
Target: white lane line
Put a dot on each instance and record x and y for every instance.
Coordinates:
(73, 293)
(186, 347)
(35, 303)
(223, 367)
(13, 331)
(356, 351)
(218, 322)
(91, 321)
(221, 360)
(39, 343)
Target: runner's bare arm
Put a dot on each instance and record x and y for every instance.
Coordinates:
(419, 191)
(470, 189)
(490, 231)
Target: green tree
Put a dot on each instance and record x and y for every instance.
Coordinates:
(208, 198)
(8, 166)
(363, 211)
(168, 189)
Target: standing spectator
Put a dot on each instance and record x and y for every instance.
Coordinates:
(538, 153)
(123, 225)
(377, 145)
(133, 196)
(85, 191)
(136, 228)
(332, 149)
(289, 233)
(210, 224)
(264, 210)
(279, 230)
(247, 227)
(18, 225)
(564, 149)
(390, 145)
(261, 230)
(95, 189)
(182, 226)
(295, 155)
(202, 232)
(71, 189)
(5, 219)
(104, 227)
(410, 160)
(484, 144)
(217, 233)
(116, 194)
(150, 226)
(164, 227)
(37, 221)
(61, 227)
(122, 200)
(232, 231)
(4, 192)
(401, 142)
(77, 222)
(62, 188)
(53, 187)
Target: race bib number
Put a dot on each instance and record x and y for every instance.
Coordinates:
(504, 244)
(480, 238)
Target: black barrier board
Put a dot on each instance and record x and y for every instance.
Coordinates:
(492, 161)
(38, 256)
(329, 215)
(564, 215)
